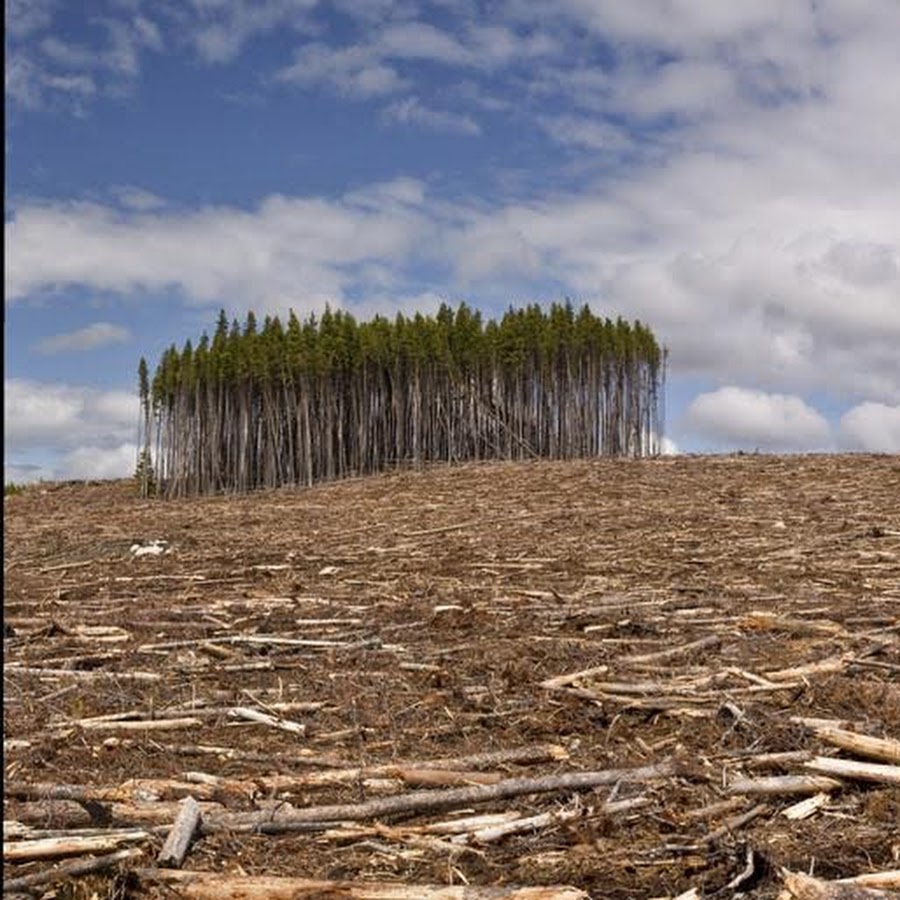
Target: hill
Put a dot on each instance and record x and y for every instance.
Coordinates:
(677, 630)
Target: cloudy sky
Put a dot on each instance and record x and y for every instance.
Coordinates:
(728, 173)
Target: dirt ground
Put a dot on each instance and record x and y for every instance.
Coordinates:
(419, 616)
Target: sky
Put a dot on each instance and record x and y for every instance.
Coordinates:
(728, 173)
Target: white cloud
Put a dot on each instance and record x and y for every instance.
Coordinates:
(411, 111)
(584, 132)
(354, 71)
(39, 416)
(98, 462)
(872, 427)
(98, 334)
(419, 40)
(49, 70)
(219, 31)
(734, 417)
(296, 252)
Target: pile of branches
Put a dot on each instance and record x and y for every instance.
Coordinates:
(267, 406)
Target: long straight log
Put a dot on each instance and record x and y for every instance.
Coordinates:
(784, 784)
(54, 847)
(859, 771)
(207, 886)
(883, 749)
(428, 801)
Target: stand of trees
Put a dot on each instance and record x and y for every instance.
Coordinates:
(260, 406)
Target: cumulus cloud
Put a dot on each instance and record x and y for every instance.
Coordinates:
(288, 252)
(91, 337)
(738, 418)
(871, 427)
(40, 415)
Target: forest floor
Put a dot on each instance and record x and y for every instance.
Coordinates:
(722, 620)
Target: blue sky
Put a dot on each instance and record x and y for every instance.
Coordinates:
(727, 172)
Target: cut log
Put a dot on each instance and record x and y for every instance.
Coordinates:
(52, 848)
(805, 887)
(206, 886)
(883, 749)
(286, 820)
(859, 771)
(783, 784)
(179, 839)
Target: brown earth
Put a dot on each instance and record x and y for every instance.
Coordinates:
(440, 601)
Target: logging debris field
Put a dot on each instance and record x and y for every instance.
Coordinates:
(607, 678)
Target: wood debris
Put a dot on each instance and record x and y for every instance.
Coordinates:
(613, 676)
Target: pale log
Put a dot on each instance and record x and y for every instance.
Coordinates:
(51, 848)
(804, 887)
(822, 667)
(783, 784)
(889, 879)
(179, 839)
(207, 886)
(254, 715)
(859, 771)
(430, 801)
(883, 749)
(561, 681)
(704, 643)
(805, 808)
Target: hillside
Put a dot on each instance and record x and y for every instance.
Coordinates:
(423, 631)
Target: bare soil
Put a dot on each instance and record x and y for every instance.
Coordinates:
(434, 604)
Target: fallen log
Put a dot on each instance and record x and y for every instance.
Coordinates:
(285, 819)
(207, 886)
(883, 749)
(65, 845)
(860, 771)
(179, 838)
(804, 887)
(784, 784)
(73, 869)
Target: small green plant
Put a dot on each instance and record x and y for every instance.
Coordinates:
(10, 489)
(144, 474)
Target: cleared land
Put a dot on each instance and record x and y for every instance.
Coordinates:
(701, 626)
